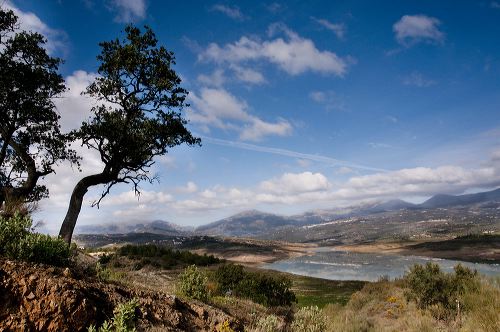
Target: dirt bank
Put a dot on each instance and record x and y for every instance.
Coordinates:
(38, 297)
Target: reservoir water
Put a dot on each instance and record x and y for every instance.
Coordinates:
(343, 265)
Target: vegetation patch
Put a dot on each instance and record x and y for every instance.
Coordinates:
(163, 257)
(18, 241)
(259, 287)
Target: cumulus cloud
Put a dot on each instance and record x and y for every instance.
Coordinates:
(248, 75)
(128, 11)
(419, 181)
(189, 188)
(74, 107)
(295, 183)
(219, 108)
(216, 79)
(293, 54)
(232, 12)
(338, 29)
(28, 21)
(411, 29)
(418, 80)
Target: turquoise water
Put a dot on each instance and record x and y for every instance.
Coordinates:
(343, 265)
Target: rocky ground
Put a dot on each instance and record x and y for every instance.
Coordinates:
(35, 297)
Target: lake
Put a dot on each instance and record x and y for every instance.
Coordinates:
(343, 265)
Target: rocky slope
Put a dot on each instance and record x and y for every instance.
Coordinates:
(37, 297)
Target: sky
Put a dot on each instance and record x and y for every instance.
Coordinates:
(299, 105)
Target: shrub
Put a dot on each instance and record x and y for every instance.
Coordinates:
(193, 283)
(258, 287)
(17, 241)
(432, 288)
(309, 319)
(270, 323)
(228, 276)
(122, 321)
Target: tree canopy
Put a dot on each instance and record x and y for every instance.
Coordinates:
(31, 142)
(138, 116)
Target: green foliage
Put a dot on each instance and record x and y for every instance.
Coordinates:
(137, 117)
(160, 256)
(193, 283)
(258, 287)
(122, 321)
(107, 274)
(17, 241)
(228, 276)
(429, 286)
(31, 142)
(309, 319)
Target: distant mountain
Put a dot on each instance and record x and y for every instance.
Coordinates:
(153, 227)
(392, 205)
(247, 223)
(442, 201)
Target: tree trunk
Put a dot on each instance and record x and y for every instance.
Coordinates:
(76, 200)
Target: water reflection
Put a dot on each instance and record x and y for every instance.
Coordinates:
(343, 265)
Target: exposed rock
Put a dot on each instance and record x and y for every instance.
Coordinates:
(41, 298)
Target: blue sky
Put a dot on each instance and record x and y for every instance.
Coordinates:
(299, 105)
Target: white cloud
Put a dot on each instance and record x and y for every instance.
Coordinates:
(219, 108)
(495, 5)
(189, 188)
(216, 79)
(257, 129)
(411, 29)
(338, 29)
(295, 183)
(130, 198)
(28, 21)
(418, 80)
(419, 181)
(128, 11)
(232, 12)
(74, 107)
(294, 54)
(248, 75)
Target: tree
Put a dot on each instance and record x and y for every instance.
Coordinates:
(31, 142)
(139, 116)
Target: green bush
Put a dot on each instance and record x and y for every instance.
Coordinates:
(193, 283)
(122, 321)
(431, 287)
(228, 276)
(258, 287)
(309, 319)
(17, 241)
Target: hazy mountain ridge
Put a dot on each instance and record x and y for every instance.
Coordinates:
(155, 227)
(262, 224)
(258, 223)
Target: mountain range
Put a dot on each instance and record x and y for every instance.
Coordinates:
(257, 223)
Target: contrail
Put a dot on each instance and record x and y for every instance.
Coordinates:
(288, 153)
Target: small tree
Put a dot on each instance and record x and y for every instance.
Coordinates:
(31, 142)
(139, 116)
